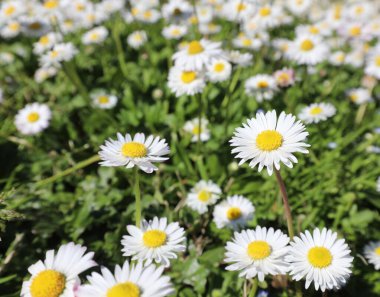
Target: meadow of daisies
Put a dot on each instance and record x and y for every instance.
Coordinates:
(189, 148)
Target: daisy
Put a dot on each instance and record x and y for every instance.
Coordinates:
(203, 194)
(132, 280)
(261, 86)
(33, 118)
(95, 36)
(46, 42)
(42, 74)
(241, 59)
(9, 10)
(299, 7)
(137, 39)
(233, 212)
(257, 252)
(174, 32)
(246, 42)
(185, 82)
(103, 100)
(284, 77)
(11, 29)
(209, 29)
(373, 65)
(156, 241)
(238, 10)
(177, 9)
(202, 132)
(138, 151)
(320, 258)
(307, 49)
(267, 16)
(197, 54)
(359, 96)
(60, 53)
(149, 16)
(58, 274)
(372, 253)
(317, 112)
(219, 70)
(268, 141)
(337, 58)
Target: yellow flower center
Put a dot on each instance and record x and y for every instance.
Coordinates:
(127, 289)
(340, 58)
(54, 54)
(233, 213)
(204, 195)
(80, 7)
(307, 45)
(103, 99)
(44, 40)
(355, 31)
(176, 32)
(193, 20)
(188, 76)
(313, 30)
(48, 283)
(147, 14)
(9, 10)
(283, 77)
(196, 130)
(269, 140)
(262, 84)
(94, 36)
(195, 47)
(51, 4)
(377, 251)
(259, 250)
(33, 117)
(359, 10)
(315, 110)
(14, 26)
(377, 61)
(134, 11)
(134, 150)
(354, 97)
(319, 257)
(154, 238)
(264, 11)
(247, 42)
(241, 7)
(218, 67)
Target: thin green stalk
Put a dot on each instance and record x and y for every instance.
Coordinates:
(200, 111)
(68, 171)
(73, 76)
(227, 98)
(119, 47)
(254, 287)
(360, 113)
(137, 197)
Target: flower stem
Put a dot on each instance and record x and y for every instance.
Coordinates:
(73, 76)
(200, 111)
(284, 195)
(137, 197)
(360, 113)
(254, 287)
(119, 47)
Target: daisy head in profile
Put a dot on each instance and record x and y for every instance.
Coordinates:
(130, 280)
(234, 212)
(174, 31)
(156, 241)
(261, 86)
(33, 118)
(137, 39)
(197, 54)
(372, 253)
(198, 132)
(95, 36)
(140, 151)
(359, 96)
(219, 70)
(308, 49)
(317, 112)
(185, 82)
(202, 195)
(321, 258)
(267, 141)
(58, 274)
(103, 100)
(257, 252)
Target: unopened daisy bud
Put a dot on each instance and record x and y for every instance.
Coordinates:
(157, 94)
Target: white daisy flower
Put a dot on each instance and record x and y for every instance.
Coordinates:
(261, 86)
(209, 29)
(241, 59)
(204, 13)
(58, 274)
(185, 82)
(197, 55)
(284, 77)
(238, 10)
(359, 96)
(372, 253)
(317, 112)
(103, 100)
(9, 10)
(337, 58)
(219, 70)
(247, 42)
(234, 212)
(307, 49)
(355, 58)
(137, 39)
(267, 16)
(95, 36)
(149, 16)
(177, 9)
(203, 194)
(299, 7)
(268, 141)
(10, 30)
(202, 133)
(174, 31)
(138, 151)
(156, 241)
(373, 65)
(61, 52)
(257, 252)
(46, 42)
(362, 11)
(320, 258)
(33, 118)
(42, 74)
(129, 280)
